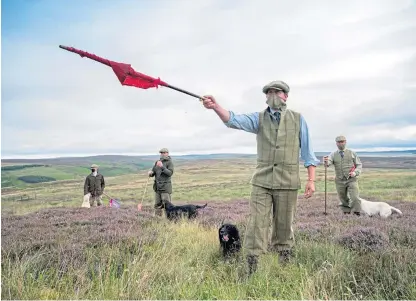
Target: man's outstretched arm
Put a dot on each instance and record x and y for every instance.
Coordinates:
(245, 122)
(220, 111)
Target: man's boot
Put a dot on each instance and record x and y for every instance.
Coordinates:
(252, 261)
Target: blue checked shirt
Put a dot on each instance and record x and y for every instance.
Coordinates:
(250, 123)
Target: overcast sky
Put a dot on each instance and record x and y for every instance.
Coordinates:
(350, 66)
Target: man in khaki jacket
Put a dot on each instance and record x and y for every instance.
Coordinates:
(282, 137)
(348, 168)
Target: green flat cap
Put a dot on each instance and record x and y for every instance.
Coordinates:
(340, 138)
(277, 85)
(164, 150)
(94, 166)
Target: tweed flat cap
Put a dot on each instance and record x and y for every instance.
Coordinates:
(164, 150)
(277, 85)
(340, 138)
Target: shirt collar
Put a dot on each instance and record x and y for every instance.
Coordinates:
(272, 111)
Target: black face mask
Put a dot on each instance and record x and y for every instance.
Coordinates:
(92, 170)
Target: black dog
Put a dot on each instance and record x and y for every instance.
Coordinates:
(229, 239)
(175, 212)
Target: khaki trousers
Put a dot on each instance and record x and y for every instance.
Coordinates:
(282, 204)
(348, 194)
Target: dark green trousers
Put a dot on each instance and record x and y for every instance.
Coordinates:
(161, 198)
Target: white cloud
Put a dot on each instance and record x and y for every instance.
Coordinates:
(340, 61)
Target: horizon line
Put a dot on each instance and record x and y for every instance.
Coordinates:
(40, 157)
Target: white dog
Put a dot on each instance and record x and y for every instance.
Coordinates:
(378, 208)
(86, 201)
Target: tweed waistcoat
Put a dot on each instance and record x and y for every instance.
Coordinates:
(344, 164)
(278, 148)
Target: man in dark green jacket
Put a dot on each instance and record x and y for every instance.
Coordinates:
(162, 186)
(94, 187)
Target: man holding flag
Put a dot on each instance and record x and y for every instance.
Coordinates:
(348, 167)
(282, 137)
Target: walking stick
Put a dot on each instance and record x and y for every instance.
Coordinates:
(107, 196)
(111, 198)
(326, 168)
(139, 206)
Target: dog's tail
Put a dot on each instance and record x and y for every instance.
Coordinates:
(396, 210)
(201, 207)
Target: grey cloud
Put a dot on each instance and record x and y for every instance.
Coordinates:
(319, 48)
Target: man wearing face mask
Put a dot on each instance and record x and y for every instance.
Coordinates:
(162, 186)
(282, 135)
(348, 167)
(94, 187)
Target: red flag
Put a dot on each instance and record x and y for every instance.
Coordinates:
(351, 170)
(127, 75)
(124, 72)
